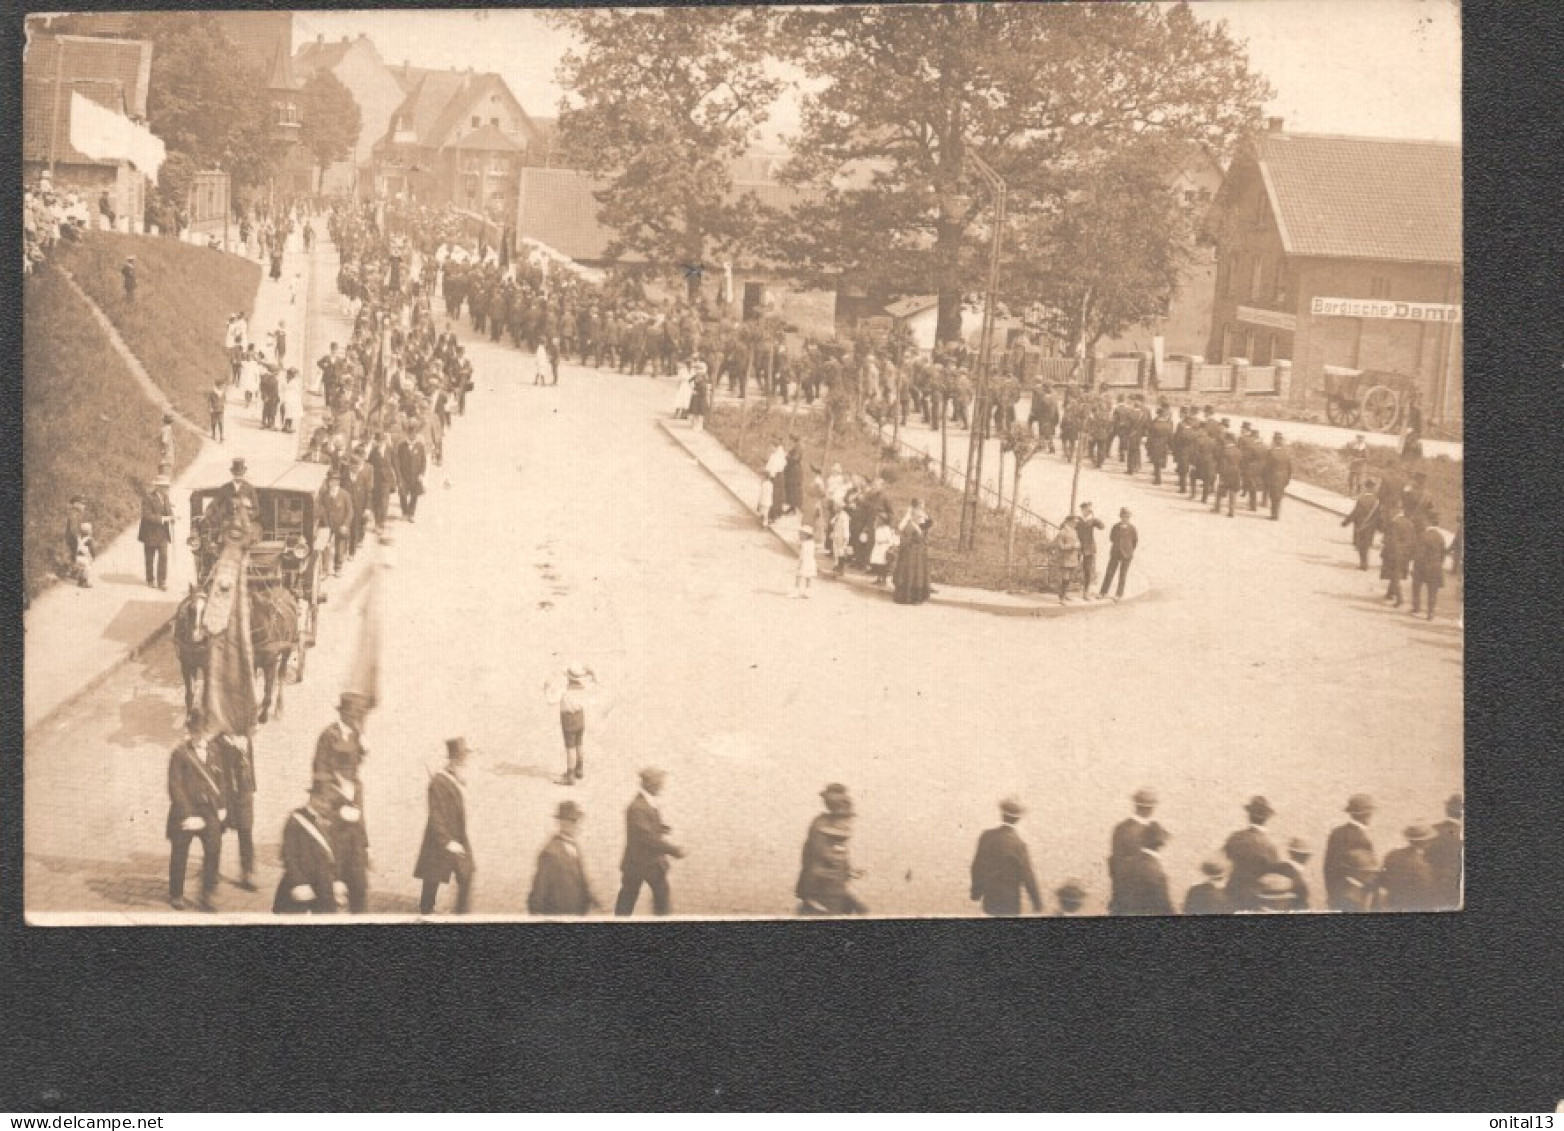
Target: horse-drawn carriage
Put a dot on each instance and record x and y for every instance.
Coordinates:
(282, 556)
(1375, 399)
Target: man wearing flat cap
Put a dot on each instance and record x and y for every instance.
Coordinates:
(1447, 852)
(647, 849)
(1127, 837)
(156, 531)
(1340, 893)
(560, 885)
(1003, 866)
(1252, 853)
(1209, 897)
(446, 850)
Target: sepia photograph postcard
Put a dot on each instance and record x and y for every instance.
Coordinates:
(729, 463)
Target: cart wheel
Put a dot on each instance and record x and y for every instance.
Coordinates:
(1381, 407)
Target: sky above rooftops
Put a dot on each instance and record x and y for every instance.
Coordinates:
(1379, 68)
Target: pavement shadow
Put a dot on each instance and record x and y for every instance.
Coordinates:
(121, 579)
(520, 770)
(136, 620)
(145, 718)
(1331, 562)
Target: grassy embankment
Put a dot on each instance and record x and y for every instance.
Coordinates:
(1327, 467)
(184, 295)
(855, 449)
(88, 427)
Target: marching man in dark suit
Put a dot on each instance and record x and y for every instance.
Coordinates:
(1407, 882)
(1142, 888)
(647, 848)
(560, 886)
(1003, 866)
(195, 812)
(1278, 473)
(1252, 854)
(411, 463)
(1340, 893)
(446, 851)
(236, 759)
(1127, 838)
(157, 531)
(336, 515)
(309, 883)
(1364, 521)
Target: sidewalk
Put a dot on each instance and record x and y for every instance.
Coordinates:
(79, 636)
(744, 485)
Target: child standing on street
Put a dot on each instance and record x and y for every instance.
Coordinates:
(879, 556)
(572, 719)
(84, 556)
(806, 562)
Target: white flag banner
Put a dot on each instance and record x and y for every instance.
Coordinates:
(107, 135)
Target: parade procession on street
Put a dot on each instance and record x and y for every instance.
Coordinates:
(852, 499)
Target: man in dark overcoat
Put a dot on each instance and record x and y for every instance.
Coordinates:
(446, 850)
(309, 883)
(1252, 853)
(195, 812)
(156, 531)
(1344, 840)
(1278, 473)
(1003, 866)
(560, 885)
(647, 849)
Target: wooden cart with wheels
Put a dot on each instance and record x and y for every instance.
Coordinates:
(1373, 399)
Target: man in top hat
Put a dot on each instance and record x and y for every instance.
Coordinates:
(156, 531)
(1446, 855)
(1278, 473)
(340, 746)
(1252, 853)
(1122, 540)
(1072, 899)
(195, 812)
(1209, 897)
(238, 493)
(647, 848)
(838, 803)
(560, 885)
(309, 883)
(1003, 866)
(1142, 886)
(1345, 839)
(336, 515)
(383, 463)
(1126, 839)
(446, 850)
(1407, 882)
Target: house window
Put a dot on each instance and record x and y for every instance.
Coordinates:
(1379, 286)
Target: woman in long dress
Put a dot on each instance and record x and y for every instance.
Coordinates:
(681, 397)
(912, 558)
(292, 401)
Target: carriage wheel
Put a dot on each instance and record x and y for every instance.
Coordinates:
(1381, 407)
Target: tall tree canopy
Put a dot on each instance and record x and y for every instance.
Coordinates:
(906, 95)
(202, 101)
(658, 103)
(331, 120)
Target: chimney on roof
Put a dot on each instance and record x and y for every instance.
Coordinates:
(1274, 125)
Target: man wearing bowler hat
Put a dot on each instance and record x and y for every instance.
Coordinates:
(1127, 836)
(560, 886)
(1003, 866)
(156, 532)
(647, 848)
(446, 850)
(336, 515)
(1340, 893)
(1252, 853)
(1407, 882)
(1142, 887)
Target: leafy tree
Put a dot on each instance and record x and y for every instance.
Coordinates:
(203, 101)
(331, 121)
(659, 101)
(907, 95)
(1022, 446)
(1113, 255)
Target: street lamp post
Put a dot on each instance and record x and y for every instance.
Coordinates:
(971, 490)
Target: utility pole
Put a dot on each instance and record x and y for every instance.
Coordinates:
(977, 432)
